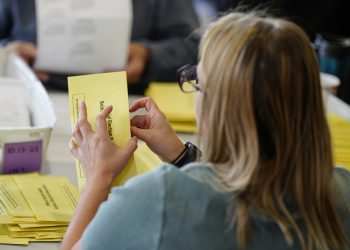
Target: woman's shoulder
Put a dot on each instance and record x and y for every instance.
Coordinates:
(342, 177)
(342, 174)
(168, 175)
(205, 173)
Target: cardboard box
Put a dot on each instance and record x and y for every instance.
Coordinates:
(23, 149)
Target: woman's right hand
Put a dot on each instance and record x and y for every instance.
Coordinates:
(154, 129)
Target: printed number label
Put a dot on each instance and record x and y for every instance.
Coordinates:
(20, 157)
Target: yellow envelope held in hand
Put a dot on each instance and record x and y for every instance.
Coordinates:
(99, 91)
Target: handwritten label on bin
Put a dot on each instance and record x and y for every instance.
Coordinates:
(21, 157)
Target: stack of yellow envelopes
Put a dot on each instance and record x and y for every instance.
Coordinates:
(35, 208)
(176, 105)
(340, 133)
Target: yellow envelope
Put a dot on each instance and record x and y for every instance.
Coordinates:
(12, 199)
(99, 91)
(41, 224)
(6, 239)
(22, 234)
(145, 159)
(49, 235)
(176, 105)
(184, 127)
(47, 240)
(5, 217)
(24, 219)
(50, 198)
(43, 228)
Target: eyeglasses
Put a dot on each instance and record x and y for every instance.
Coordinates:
(187, 78)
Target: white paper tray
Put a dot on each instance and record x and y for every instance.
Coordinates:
(42, 115)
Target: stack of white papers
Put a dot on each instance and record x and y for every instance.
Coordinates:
(35, 208)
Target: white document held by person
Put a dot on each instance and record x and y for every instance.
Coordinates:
(82, 36)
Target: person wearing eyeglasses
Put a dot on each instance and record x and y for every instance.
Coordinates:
(264, 177)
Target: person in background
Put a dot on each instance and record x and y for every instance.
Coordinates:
(265, 179)
(323, 21)
(206, 11)
(314, 16)
(161, 39)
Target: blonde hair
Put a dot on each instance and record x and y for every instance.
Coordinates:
(266, 134)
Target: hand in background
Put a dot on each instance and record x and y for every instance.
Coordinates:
(137, 61)
(154, 129)
(100, 157)
(27, 51)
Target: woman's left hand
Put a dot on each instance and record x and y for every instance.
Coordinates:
(101, 159)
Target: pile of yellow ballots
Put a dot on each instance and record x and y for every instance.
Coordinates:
(340, 133)
(176, 105)
(35, 207)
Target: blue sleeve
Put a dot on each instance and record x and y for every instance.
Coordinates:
(173, 43)
(5, 21)
(132, 216)
(342, 179)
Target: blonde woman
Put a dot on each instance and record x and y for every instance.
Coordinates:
(266, 178)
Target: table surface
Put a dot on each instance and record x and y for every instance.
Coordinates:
(59, 161)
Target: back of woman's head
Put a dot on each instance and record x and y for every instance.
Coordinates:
(265, 128)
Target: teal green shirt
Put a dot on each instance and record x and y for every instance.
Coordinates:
(173, 208)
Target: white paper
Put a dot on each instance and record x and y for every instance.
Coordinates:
(14, 111)
(83, 36)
